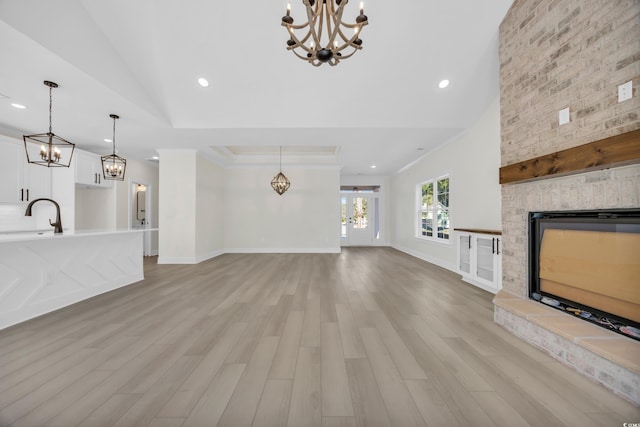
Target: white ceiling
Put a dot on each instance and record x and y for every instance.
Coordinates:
(141, 59)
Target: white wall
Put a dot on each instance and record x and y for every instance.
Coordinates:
(472, 161)
(95, 208)
(304, 219)
(177, 206)
(209, 209)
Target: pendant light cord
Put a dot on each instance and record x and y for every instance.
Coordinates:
(114, 135)
(50, 101)
(281, 158)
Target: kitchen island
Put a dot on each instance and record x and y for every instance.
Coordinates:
(41, 271)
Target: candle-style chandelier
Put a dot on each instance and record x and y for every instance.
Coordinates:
(280, 183)
(325, 32)
(113, 166)
(48, 149)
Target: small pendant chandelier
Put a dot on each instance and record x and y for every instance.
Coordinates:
(280, 183)
(325, 32)
(48, 149)
(113, 166)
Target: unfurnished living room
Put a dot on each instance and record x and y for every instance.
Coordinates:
(319, 213)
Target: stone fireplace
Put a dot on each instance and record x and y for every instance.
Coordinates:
(557, 54)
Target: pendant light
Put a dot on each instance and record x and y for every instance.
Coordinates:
(280, 183)
(325, 38)
(113, 166)
(48, 149)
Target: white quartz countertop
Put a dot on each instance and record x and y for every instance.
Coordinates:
(16, 236)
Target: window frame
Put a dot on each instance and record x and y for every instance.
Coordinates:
(435, 210)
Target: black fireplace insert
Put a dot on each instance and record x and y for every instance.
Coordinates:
(587, 263)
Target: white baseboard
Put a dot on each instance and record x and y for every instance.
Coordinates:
(199, 259)
(283, 250)
(430, 259)
(190, 260)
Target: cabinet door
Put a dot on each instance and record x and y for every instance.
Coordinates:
(485, 250)
(89, 170)
(84, 168)
(102, 183)
(464, 257)
(37, 181)
(11, 188)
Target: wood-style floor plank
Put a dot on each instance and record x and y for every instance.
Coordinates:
(351, 342)
(367, 402)
(306, 401)
(244, 402)
(369, 337)
(213, 402)
(284, 361)
(336, 397)
(400, 407)
(273, 409)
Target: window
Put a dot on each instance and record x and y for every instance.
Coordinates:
(433, 209)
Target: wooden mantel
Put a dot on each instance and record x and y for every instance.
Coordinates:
(614, 151)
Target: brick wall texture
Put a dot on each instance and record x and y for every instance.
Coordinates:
(566, 53)
(556, 54)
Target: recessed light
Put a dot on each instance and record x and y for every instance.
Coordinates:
(420, 149)
(155, 158)
(203, 82)
(444, 83)
(18, 106)
(108, 140)
(373, 166)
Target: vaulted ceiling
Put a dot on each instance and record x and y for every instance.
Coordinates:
(141, 60)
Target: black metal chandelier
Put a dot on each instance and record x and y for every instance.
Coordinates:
(325, 31)
(114, 166)
(48, 149)
(280, 183)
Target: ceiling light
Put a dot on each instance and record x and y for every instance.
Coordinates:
(113, 166)
(443, 83)
(327, 47)
(18, 106)
(108, 140)
(373, 166)
(48, 149)
(280, 183)
(155, 158)
(203, 82)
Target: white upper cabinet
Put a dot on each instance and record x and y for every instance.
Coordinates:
(89, 170)
(21, 181)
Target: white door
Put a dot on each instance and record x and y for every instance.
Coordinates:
(359, 219)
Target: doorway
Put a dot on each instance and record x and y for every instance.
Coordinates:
(140, 212)
(360, 219)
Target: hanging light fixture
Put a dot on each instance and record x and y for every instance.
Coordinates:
(325, 32)
(280, 183)
(48, 149)
(113, 166)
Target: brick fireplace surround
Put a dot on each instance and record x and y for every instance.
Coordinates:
(556, 54)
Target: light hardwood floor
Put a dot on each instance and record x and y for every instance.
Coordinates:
(370, 337)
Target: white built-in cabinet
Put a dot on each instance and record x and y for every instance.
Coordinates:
(480, 258)
(89, 170)
(21, 181)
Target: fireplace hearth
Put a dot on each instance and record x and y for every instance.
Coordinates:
(587, 264)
